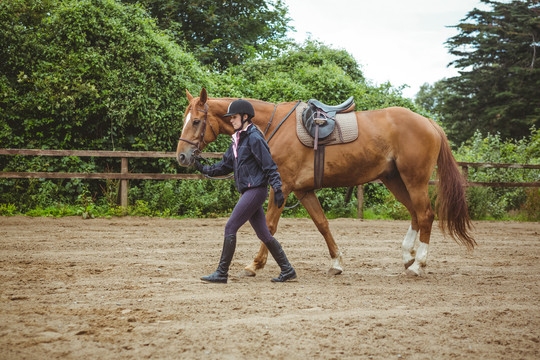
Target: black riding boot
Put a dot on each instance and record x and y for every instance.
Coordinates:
(287, 271)
(222, 272)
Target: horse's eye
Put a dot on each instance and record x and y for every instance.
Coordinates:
(196, 122)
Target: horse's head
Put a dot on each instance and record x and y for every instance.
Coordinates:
(198, 130)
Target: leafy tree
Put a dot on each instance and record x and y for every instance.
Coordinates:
(90, 74)
(220, 33)
(310, 70)
(99, 74)
(86, 74)
(432, 97)
(498, 89)
(495, 202)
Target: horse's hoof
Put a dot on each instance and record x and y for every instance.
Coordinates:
(409, 263)
(334, 271)
(247, 273)
(412, 273)
(336, 265)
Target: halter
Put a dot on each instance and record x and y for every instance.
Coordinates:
(203, 131)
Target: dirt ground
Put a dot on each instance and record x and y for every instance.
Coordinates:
(129, 288)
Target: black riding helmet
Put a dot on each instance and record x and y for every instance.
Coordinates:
(241, 106)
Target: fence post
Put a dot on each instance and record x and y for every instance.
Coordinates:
(360, 198)
(124, 184)
(465, 172)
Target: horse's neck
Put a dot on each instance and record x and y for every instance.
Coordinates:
(263, 114)
(220, 107)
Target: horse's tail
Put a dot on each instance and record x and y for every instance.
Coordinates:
(451, 204)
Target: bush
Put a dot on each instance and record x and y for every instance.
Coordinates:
(531, 206)
(98, 74)
(491, 202)
(86, 74)
(7, 210)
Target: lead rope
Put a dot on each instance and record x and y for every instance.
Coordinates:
(211, 177)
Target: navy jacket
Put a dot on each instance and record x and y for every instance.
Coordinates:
(253, 167)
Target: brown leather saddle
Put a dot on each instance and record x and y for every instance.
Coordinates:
(320, 119)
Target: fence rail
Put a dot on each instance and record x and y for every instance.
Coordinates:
(124, 175)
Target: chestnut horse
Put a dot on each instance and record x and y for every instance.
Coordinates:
(395, 145)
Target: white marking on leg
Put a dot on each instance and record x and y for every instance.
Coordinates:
(420, 261)
(337, 265)
(408, 245)
(421, 254)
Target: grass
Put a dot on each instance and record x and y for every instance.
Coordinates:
(140, 208)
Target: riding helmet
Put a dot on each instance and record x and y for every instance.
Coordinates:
(240, 106)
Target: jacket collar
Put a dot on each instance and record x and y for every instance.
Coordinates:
(236, 139)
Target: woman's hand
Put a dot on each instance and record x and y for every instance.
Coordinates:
(198, 165)
(279, 199)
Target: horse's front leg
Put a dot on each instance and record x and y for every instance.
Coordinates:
(313, 206)
(272, 218)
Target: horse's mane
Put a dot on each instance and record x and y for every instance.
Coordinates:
(249, 99)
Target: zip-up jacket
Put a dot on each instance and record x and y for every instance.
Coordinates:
(253, 165)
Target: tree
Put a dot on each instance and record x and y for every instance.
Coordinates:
(86, 74)
(220, 33)
(310, 70)
(100, 74)
(431, 97)
(92, 74)
(498, 89)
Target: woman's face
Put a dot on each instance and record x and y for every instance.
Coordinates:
(236, 121)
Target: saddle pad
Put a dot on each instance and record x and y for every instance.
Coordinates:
(346, 129)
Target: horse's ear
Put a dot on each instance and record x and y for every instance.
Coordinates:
(189, 96)
(203, 97)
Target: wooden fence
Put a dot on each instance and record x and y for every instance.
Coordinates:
(124, 175)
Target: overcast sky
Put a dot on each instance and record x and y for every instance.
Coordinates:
(401, 41)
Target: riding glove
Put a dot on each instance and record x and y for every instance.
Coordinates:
(279, 199)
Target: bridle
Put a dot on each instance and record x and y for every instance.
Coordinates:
(203, 131)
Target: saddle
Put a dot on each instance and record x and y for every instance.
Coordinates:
(319, 123)
(320, 119)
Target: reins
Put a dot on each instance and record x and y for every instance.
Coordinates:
(281, 123)
(270, 122)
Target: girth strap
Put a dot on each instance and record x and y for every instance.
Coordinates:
(318, 166)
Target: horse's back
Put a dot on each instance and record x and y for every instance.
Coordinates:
(405, 137)
(396, 124)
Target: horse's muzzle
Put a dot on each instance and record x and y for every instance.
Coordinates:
(185, 158)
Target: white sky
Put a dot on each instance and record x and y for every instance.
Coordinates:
(401, 41)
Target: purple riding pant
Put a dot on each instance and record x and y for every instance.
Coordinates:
(250, 207)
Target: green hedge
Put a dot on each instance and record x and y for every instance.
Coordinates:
(100, 75)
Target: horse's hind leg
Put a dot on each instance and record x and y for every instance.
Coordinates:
(397, 187)
(313, 206)
(425, 215)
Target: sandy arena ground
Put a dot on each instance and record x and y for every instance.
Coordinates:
(129, 288)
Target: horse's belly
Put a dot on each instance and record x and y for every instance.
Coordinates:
(343, 169)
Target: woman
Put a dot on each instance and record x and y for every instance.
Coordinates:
(249, 157)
